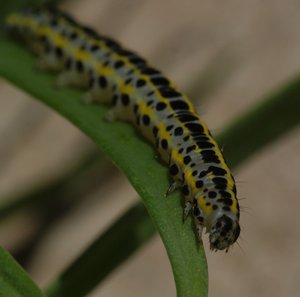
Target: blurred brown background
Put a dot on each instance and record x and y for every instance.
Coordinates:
(227, 55)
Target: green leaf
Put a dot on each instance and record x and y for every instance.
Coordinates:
(131, 154)
(14, 281)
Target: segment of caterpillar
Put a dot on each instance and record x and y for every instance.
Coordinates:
(141, 95)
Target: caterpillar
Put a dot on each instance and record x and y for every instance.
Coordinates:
(143, 96)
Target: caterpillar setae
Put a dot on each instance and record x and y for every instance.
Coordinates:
(140, 94)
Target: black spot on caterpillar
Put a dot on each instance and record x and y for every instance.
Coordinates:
(140, 94)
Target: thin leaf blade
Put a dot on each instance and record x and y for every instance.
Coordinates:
(14, 281)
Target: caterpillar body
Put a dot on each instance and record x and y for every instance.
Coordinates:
(142, 95)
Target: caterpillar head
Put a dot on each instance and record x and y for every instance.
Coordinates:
(223, 233)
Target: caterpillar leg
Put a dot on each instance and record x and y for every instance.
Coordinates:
(64, 79)
(122, 108)
(96, 95)
(111, 115)
(114, 113)
(199, 220)
(186, 210)
(41, 64)
(49, 62)
(174, 186)
(100, 89)
(87, 98)
(199, 231)
(71, 78)
(174, 169)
